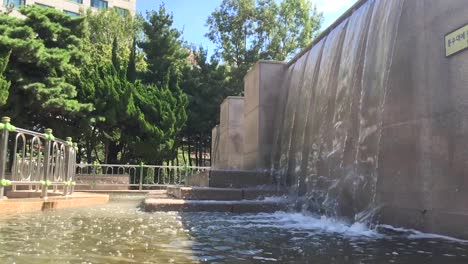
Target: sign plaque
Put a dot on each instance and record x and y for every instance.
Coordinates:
(456, 41)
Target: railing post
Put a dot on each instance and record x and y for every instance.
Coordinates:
(141, 176)
(68, 149)
(45, 180)
(73, 168)
(5, 128)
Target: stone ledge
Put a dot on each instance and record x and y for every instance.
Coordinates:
(239, 179)
(226, 194)
(243, 206)
(14, 206)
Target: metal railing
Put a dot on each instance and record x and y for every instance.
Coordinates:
(41, 162)
(37, 160)
(136, 176)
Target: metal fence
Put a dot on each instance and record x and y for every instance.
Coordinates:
(37, 160)
(135, 176)
(44, 163)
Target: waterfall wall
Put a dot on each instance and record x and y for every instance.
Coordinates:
(369, 123)
(373, 118)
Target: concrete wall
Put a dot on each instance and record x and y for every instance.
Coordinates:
(262, 89)
(423, 177)
(215, 148)
(227, 148)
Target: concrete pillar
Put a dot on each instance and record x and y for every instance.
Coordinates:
(228, 136)
(262, 89)
(215, 135)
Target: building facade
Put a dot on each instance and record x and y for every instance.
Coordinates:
(73, 7)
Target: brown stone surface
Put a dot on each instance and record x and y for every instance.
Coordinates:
(200, 179)
(253, 194)
(262, 89)
(423, 176)
(29, 194)
(228, 145)
(239, 179)
(95, 187)
(226, 194)
(13, 206)
(189, 193)
(153, 205)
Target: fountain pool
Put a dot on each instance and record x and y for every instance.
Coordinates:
(119, 232)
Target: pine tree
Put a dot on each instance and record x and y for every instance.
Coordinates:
(131, 69)
(44, 61)
(4, 84)
(163, 48)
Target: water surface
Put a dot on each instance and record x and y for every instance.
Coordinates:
(119, 232)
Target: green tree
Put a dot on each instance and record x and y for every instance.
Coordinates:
(46, 53)
(132, 121)
(246, 31)
(106, 26)
(205, 84)
(131, 69)
(4, 84)
(163, 48)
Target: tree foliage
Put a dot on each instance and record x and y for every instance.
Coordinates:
(163, 48)
(79, 76)
(205, 84)
(134, 121)
(246, 31)
(45, 58)
(4, 84)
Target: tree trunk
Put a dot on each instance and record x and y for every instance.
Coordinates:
(201, 153)
(211, 150)
(113, 151)
(183, 154)
(197, 160)
(189, 151)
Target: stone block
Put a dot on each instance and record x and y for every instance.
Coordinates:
(255, 194)
(262, 89)
(229, 149)
(239, 179)
(226, 194)
(256, 207)
(165, 205)
(77, 199)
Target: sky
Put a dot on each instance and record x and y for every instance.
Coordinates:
(190, 16)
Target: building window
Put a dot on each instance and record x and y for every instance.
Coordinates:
(44, 6)
(121, 11)
(70, 13)
(100, 4)
(13, 3)
(76, 1)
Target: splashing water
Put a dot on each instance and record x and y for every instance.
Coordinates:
(120, 233)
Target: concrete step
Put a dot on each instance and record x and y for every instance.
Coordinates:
(244, 206)
(239, 179)
(31, 194)
(115, 187)
(223, 194)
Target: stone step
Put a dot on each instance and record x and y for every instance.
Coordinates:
(244, 206)
(239, 179)
(224, 194)
(30, 194)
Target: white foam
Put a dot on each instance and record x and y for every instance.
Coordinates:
(415, 234)
(298, 221)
